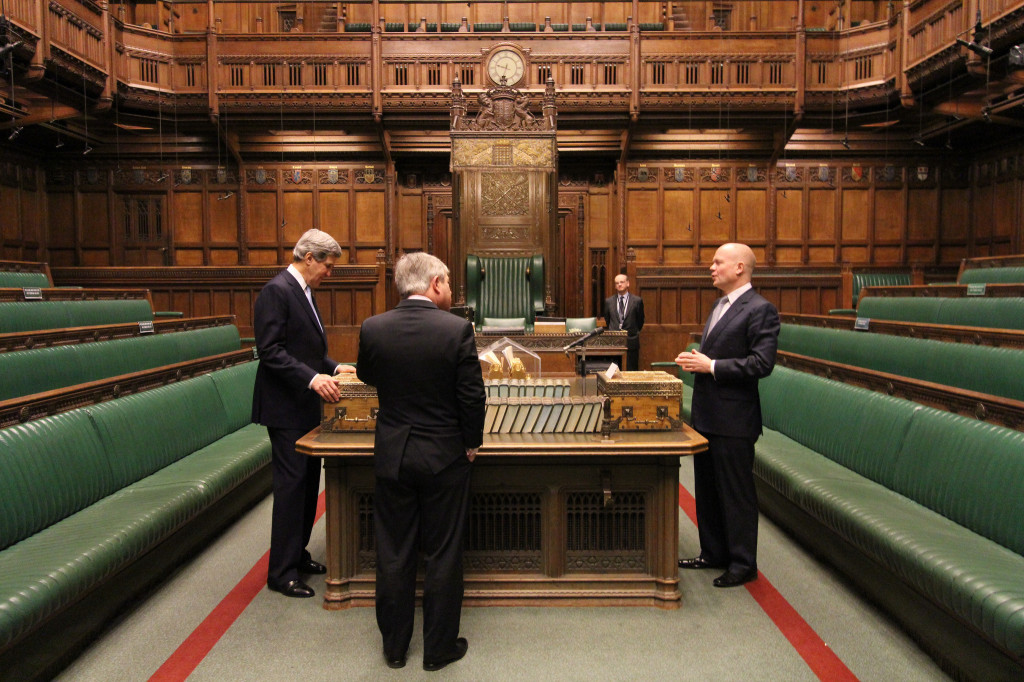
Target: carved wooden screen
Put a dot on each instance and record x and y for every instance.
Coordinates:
(505, 167)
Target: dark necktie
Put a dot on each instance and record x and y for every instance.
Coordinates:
(622, 312)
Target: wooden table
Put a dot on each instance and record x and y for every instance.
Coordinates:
(555, 519)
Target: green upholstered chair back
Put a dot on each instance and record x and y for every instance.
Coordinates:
(503, 322)
(575, 325)
(505, 287)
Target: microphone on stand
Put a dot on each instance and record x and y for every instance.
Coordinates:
(583, 339)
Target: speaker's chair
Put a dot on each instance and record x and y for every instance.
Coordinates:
(505, 288)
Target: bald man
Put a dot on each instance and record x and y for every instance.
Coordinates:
(737, 349)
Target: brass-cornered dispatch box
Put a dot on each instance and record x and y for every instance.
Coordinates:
(642, 401)
(357, 409)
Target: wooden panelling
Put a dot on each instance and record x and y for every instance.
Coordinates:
(298, 215)
(855, 217)
(95, 218)
(223, 218)
(715, 216)
(641, 216)
(600, 222)
(188, 220)
(679, 216)
(790, 207)
(334, 215)
(821, 218)
(751, 223)
(921, 214)
(410, 221)
(889, 213)
(369, 217)
(262, 214)
(10, 222)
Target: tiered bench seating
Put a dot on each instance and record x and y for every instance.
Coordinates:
(15, 273)
(60, 308)
(911, 488)
(999, 306)
(992, 270)
(85, 354)
(106, 487)
(125, 445)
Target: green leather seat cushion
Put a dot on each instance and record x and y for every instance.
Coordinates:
(1002, 275)
(23, 316)
(933, 496)
(997, 371)
(996, 313)
(969, 575)
(21, 280)
(43, 369)
(84, 493)
(45, 572)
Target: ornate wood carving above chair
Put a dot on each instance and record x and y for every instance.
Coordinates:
(504, 168)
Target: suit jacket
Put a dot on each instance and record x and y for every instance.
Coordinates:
(633, 321)
(743, 344)
(424, 364)
(293, 349)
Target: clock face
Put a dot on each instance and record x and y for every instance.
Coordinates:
(508, 64)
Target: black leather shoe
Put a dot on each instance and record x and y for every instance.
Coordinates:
(395, 662)
(730, 579)
(461, 645)
(294, 588)
(697, 562)
(311, 567)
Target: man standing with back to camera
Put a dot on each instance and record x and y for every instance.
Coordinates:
(424, 364)
(737, 349)
(293, 375)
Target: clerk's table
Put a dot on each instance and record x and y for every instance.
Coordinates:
(556, 519)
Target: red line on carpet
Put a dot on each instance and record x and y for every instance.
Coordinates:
(187, 657)
(822, 661)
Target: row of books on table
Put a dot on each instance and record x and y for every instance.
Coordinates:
(532, 414)
(527, 388)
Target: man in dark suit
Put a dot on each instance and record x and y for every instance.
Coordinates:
(626, 311)
(737, 349)
(424, 364)
(293, 375)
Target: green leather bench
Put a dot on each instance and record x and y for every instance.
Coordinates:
(22, 279)
(100, 502)
(1000, 275)
(43, 369)
(997, 371)
(996, 313)
(920, 507)
(24, 316)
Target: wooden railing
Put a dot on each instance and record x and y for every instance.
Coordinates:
(350, 295)
(609, 65)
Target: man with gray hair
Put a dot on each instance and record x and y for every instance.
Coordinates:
(430, 388)
(293, 375)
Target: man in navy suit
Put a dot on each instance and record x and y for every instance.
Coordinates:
(424, 364)
(737, 349)
(293, 375)
(626, 312)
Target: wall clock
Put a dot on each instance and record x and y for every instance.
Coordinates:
(508, 63)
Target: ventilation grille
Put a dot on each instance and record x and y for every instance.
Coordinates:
(604, 539)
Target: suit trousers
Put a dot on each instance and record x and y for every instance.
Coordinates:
(427, 511)
(727, 502)
(296, 487)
